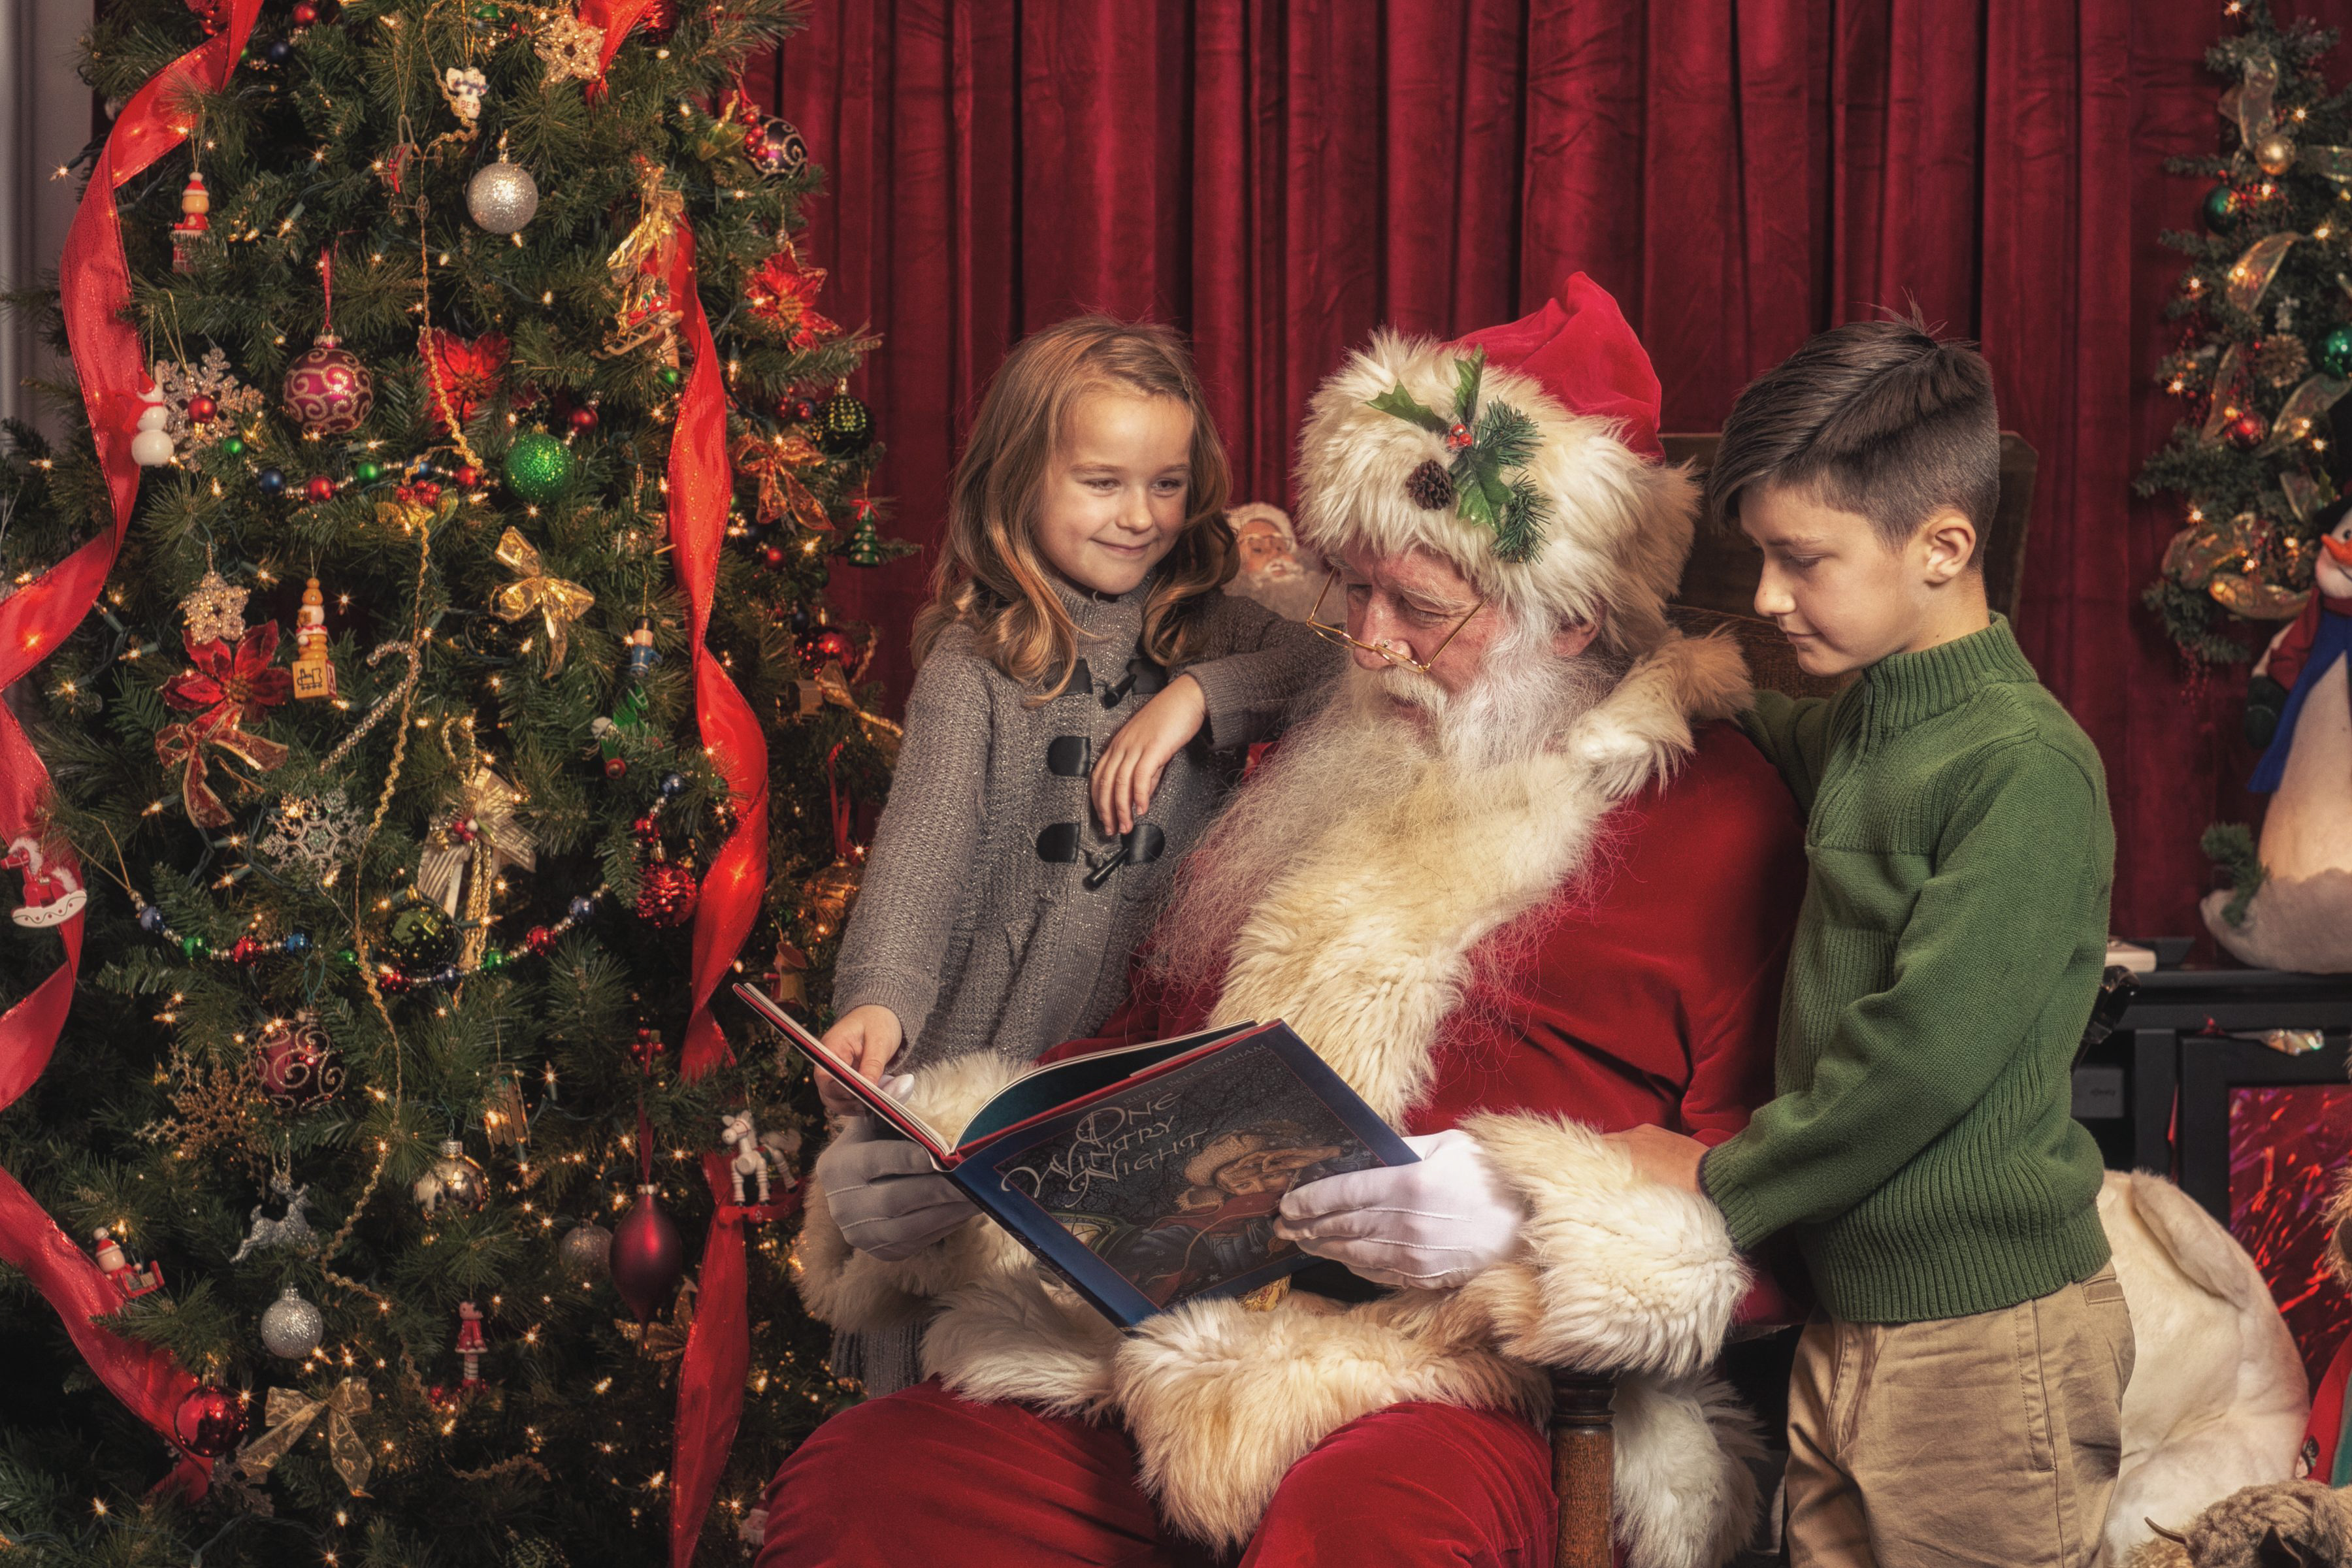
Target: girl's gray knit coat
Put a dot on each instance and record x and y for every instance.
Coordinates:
(975, 923)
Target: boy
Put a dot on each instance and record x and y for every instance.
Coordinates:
(1957, 1397)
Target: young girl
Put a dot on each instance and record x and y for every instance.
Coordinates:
(1075, 642)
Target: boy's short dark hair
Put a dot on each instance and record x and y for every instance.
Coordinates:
(1875, 418)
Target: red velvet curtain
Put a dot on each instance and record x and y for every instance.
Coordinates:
(1279, 177)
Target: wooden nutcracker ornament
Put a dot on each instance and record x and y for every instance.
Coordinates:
(469, 1343)
(194, 226)
(314, 673)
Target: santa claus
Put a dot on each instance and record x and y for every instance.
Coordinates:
(1520, 884)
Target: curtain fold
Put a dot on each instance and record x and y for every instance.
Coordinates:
(1280, 177)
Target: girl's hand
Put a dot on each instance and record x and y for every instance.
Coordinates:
(1129, 767)
(867, 1038)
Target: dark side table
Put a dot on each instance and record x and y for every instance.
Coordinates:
(2155, 1093)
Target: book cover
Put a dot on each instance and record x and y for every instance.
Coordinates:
(1151, 1175)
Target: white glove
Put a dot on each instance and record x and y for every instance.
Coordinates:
(886, 1196)
(1429, 1225)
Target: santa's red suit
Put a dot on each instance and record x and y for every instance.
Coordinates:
(1536, 952)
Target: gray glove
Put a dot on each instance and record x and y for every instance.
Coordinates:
(888, 1199)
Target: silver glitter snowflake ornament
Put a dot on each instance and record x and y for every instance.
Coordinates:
(182, 384)
(313, 834)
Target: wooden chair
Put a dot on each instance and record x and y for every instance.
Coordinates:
(1719, 591)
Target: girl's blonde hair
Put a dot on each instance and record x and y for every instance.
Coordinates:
(991, 575)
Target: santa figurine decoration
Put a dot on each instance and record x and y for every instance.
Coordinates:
(133, 1279)
(1277, 571)
(2300, 703)
(53, 894)
(469, 1343)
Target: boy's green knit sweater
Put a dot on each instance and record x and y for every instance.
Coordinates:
(1949, 949)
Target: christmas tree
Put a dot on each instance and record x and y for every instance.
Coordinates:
(2264, 359)
(458, 457)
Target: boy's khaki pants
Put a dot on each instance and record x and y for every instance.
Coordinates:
(1987, 1439)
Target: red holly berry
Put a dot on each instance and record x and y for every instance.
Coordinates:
(1457, 436)
(649, 1046)
(583, 419)
(539, 939)
(201, 409)
(428, 492)
(467, 477)
(321, 487)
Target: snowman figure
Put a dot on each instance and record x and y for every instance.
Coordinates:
(2301, 918)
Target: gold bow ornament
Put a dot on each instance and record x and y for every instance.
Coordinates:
(556, 601)
(288, 1415)
(480, 835)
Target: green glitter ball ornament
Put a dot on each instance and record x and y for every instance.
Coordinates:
(419, 936)
(671, 377)
(194, 946)
(537, 464)
(493, 959)
(233, 445)
(369, 471)
(2335, 352)
(2222, 209)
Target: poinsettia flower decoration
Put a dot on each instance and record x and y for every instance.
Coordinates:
(782, 294)
(230, 685)
(463, 376)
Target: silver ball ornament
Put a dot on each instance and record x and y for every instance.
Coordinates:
(502, 197)
(452, 1179)
(583, 1251)
(292, 1327)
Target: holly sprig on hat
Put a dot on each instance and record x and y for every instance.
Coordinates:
(1484, 444)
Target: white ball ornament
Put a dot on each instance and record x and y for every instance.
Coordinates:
(502, 196)
(151, 446)
(292, 1327)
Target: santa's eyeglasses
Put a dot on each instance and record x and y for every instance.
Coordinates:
(1402, 657)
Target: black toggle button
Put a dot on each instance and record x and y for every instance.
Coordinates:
(1141, 846)
(1069, 756)
(1146, 677)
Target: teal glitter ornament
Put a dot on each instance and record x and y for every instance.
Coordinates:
(537, 464)
(2335, 352)
(2222, 209)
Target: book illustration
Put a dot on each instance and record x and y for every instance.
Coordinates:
(1177, 1183)
(1146, 1175)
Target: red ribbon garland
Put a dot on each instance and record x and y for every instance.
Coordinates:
(111, 365)
(710, 1381)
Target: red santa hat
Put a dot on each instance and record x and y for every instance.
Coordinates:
(1526, 454)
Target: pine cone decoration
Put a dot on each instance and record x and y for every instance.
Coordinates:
(665, 896)
(1430, 486)
(2279, 359)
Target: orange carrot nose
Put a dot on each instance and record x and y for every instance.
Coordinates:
(2341, 549)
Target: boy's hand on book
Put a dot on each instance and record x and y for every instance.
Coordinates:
(886, 1196)
(1129, 767)
(1428, 1226)
(1662, 1156)
(867, 1038)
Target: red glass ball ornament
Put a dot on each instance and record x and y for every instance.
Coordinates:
(244, 949)
(2247, 430)
(327, 390)
(209, 1422)
(298, 1065)
(827, 644)
(647, 1257)
(203, 409)
(539, 939)
(467, 477)
(665, 894)
(646, 829)
(393, 982)
(583, 419)
(305, 14)
(321, 487)
(774, 556)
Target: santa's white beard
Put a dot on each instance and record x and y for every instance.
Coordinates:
(1382, 734)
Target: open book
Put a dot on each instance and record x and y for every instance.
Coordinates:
(1149, 1174)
